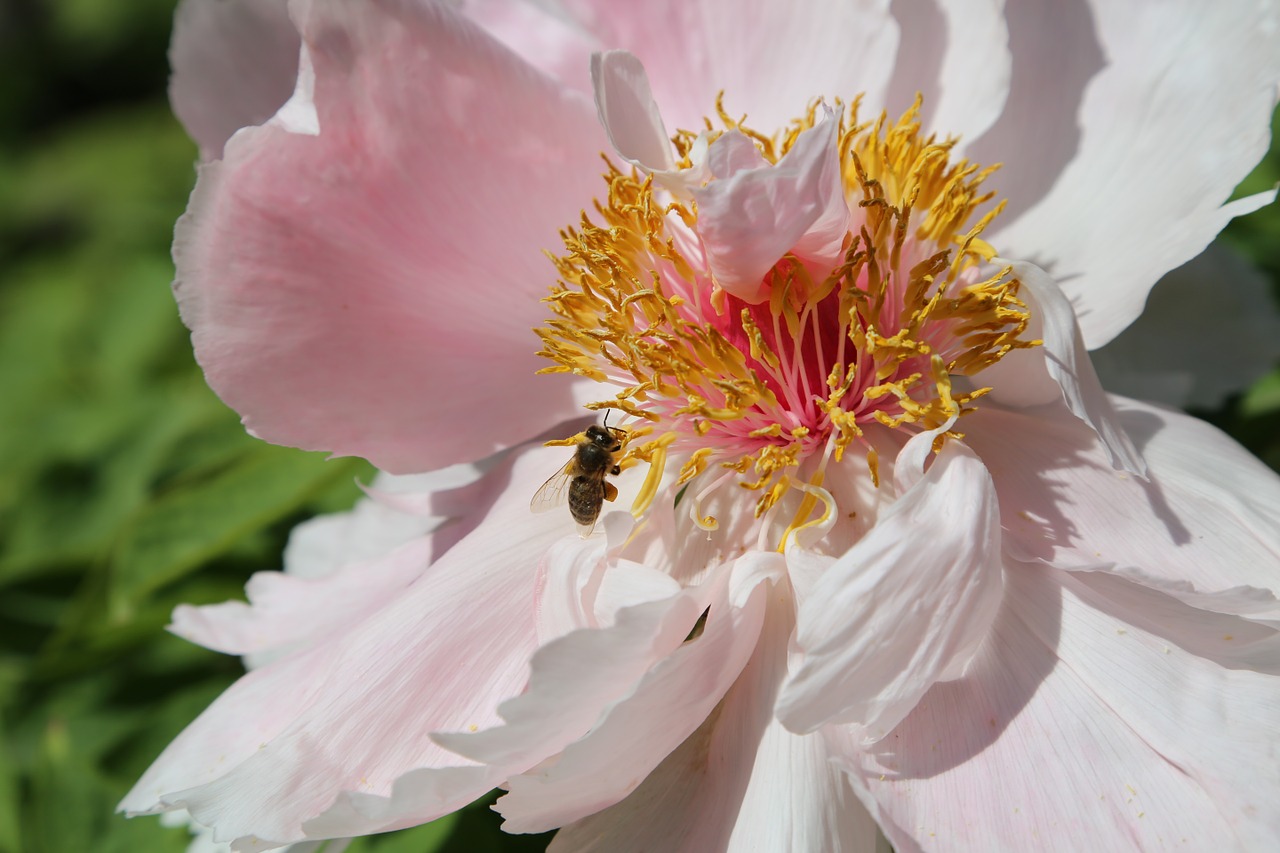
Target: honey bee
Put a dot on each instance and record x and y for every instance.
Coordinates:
(583, 477)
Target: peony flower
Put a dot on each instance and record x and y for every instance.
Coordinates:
(883, 556)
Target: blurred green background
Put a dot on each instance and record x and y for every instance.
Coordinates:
(126, 487)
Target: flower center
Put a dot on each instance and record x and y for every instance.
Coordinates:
(872, 341)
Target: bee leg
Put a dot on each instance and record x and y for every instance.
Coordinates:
(610, 491)
(616, 470)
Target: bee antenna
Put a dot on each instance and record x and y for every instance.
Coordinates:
(606, 418)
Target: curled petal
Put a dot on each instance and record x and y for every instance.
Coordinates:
(1127, 129)
(343, 288)
(750, 220)
(740, 782)
(1059, 369)
(574, 677)
(639, 729)
(628, 112)
(903, 608)
(733, 152)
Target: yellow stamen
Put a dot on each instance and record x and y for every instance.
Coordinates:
(755, 389)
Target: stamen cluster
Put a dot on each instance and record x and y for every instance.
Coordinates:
(757, 388)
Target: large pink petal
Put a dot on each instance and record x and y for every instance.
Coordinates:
(334, 741)
(1080, 727)
(1128, 126)
(768, 58)
(638, 730)
(234, 62)
(1208, 516)
(740, 782)
(370, 290)
(1209, 330)
(905, 607)
(542, 34)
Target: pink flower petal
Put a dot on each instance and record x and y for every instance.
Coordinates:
(1148, 130)
(1209, 514)
(768, 60)
(542, 34)
(750, 220)
(907, 606)
(665, 706)
(732, 153)
(1060, 369)
(1075, 722)
(334, 739)
(234, 62)
(1210, 329)
(344, 289)
(741, 781)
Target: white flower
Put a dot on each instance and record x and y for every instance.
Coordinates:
(1049, 624)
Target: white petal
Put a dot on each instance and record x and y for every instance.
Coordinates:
(905, 607)
(1210, 329)
(1028, 377)
(286, 613)
(333, 740)
(1208, 516)
(957, 56)
(1081, 728)
(574, 678)
(628, 112)
(640, 729)
(397, 510)
(741, 782)
(1235, 628)
(1128, 127)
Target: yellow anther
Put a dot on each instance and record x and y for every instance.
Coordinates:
(877, 339)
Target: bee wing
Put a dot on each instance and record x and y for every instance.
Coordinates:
(554, 491)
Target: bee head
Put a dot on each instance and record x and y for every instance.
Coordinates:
(603, 437)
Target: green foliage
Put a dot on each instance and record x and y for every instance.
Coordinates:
(127, 487)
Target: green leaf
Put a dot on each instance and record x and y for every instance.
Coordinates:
(10, 808)
(1264, 397)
